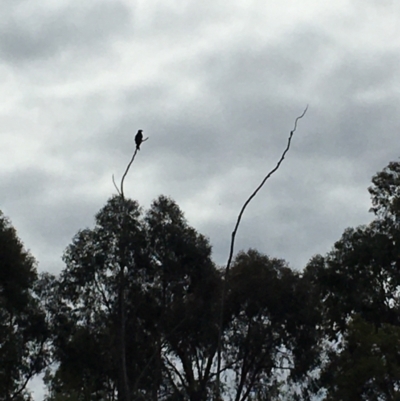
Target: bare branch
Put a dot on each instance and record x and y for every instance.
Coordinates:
(31, 373)
(232, 246)
(126, 172)
(115, 185)
(171, 380)
(176, 372)
(121, 190)
(258, 188)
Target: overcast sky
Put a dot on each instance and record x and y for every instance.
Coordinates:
(216, 86)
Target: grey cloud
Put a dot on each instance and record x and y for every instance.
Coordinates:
(23, 184)
(31, 32)
(49, 209)
(247, 95)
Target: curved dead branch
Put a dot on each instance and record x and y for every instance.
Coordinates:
(234, 232)
(121, 189)
(232, 245)
(126, 172)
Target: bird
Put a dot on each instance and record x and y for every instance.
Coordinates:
(139, 139)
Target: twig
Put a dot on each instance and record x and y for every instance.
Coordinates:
(115, 185)
(232, 246)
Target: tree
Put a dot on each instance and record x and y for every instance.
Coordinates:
(368, 367)
(358, 284)
(23, 329)
(272, 323)
(189, 285)
(86, 304)
(167, 281)
(171, 291)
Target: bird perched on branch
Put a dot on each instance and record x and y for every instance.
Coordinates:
(139, 139)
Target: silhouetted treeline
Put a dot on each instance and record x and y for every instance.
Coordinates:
(134, 314)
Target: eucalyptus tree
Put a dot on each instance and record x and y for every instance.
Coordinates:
(23, 328)
(168, 283)
(359, 287)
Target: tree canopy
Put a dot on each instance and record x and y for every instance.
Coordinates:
(23, 328)
(358, 283)
(135, 313)
(171, 293)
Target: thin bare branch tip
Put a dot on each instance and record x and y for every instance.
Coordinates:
(298, 118)
(115, 185)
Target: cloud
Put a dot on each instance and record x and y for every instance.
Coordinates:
(33, 31)
(216, 90)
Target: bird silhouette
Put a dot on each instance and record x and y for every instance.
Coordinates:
(139, 139)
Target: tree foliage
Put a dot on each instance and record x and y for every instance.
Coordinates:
(169, 281)
(135, 314)
(358, 283)
(272, 325)
(23, 330)
(171, 297)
